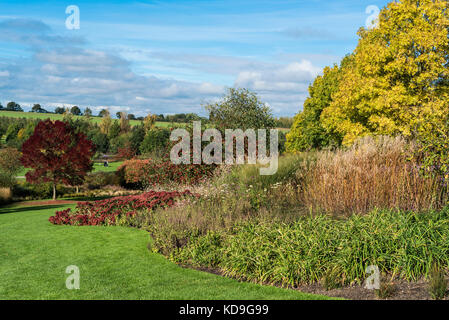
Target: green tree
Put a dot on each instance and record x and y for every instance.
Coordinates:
(36, 108)
(100, 140)
(75, 110)
(114, 130)
(240, 109)
(12, 106)
(307, 131)
(156, 140)
(59, 110)
(9, 166)
(137, 136)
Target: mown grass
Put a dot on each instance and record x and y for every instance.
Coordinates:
(52, 116)
(114, 263)
(98, 167)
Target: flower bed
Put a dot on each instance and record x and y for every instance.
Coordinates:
(109, 211)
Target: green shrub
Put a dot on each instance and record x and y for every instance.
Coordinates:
(303, 252)
(156, 140)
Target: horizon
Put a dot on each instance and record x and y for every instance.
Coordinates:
(168, 57)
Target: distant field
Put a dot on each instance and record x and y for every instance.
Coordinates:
(98, 166)
(53, 116)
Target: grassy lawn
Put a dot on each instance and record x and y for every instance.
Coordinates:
(114, 263)
(98, 166)
(52, 116)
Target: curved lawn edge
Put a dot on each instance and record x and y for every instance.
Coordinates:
(114, 263)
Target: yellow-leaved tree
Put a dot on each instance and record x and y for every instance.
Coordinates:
(400, 75)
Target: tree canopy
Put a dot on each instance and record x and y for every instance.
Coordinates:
(240, 109)
(57, 153)
(398, 77)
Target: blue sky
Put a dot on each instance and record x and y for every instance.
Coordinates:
(171, 56)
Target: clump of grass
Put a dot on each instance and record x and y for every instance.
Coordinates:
(373, 173)
(332, 279)
(309, 249)
(437, 282)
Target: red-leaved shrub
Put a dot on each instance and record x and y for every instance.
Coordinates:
(106, 212)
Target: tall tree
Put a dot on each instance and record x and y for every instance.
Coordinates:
(106, 122)
(400, 75)
(58, 154)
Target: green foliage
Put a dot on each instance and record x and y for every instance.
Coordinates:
(137, 136)
(12, 106)
(114, 130)
(75, 110)
(432, 136)
(11, 134)
(9, 166)
(307, 131)
(120, 142)
(240, 109)
(156, 139)
(101, 141)
(59, 110)
(438, 282)
(284, 122)
(305, 251)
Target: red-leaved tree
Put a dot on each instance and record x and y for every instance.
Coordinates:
(57, 154)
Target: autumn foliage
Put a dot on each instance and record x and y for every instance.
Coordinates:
(58, 154)
(110, 211)
(395, 79)
(155, 172)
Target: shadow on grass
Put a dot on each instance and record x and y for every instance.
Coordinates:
(15, 209)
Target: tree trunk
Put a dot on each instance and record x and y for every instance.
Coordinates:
(54, 191)
(77, 189)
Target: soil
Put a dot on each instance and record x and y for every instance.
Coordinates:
(402, 290)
